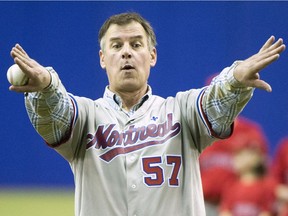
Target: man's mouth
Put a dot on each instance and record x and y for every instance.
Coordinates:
(127, 67)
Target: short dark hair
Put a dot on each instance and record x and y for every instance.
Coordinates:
(124, 19)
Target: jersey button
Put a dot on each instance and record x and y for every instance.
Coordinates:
(132, 158)
(133, 186)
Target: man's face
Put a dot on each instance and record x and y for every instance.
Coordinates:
(127, 57)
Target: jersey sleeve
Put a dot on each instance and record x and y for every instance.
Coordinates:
(51, 112)
(73, 147)
(195, 125)
(223, 100)
(211, 111)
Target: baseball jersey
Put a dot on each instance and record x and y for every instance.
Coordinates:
(141, 162)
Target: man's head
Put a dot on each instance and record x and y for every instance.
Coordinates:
(127, 52)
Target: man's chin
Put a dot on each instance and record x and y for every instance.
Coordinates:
(131, 86)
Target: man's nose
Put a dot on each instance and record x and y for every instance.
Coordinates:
(126, 54)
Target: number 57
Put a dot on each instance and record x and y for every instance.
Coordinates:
(155, 173)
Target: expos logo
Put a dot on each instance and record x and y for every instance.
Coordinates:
(134, 138)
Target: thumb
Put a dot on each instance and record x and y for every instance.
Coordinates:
(261, 84)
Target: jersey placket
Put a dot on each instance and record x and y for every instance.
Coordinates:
(133, 183)
(134, 179)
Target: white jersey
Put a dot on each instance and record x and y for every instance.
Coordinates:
(145, 164)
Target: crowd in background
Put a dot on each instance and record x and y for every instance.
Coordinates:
(239, 176)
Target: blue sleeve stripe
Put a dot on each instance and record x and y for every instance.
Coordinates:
(202, 114)
(75, 106)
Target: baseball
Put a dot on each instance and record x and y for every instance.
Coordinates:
(16, 77)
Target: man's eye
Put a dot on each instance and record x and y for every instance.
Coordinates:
(136, 45)
(116, 46)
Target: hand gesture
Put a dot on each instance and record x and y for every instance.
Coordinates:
(247, 72)
(39, 77)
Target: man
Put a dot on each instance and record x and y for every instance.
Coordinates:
(131, 152)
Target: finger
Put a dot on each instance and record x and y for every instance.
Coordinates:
(273, 54)
(25, 88)
(258, 66)
(261, 84)
(17, 54)
(267, 57)
(25, 65)
(18, 47)
(278, 43)
(275, 49)
(16, 51)
(21, 62)
(22, 59)
(267, 44)
(275, 46)
(18, 88)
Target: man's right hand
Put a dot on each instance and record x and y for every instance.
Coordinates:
(39, 77)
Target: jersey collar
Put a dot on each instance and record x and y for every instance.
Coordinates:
(115, 100)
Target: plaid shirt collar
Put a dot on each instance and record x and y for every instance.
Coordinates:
(115, 100)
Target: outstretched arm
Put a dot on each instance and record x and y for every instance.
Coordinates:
(230, 91)
(47, 102)
(247, 72)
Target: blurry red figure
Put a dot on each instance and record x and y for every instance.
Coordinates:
(216, 162)
(279, 171)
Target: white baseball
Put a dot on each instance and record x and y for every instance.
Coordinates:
(16, 77)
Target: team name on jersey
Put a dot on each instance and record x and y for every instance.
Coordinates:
(134, 138)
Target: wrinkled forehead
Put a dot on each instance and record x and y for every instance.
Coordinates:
(124, 32)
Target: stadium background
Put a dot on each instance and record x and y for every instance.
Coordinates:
(195, 40)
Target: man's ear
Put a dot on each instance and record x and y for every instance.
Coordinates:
(153, 55)
(102, 62)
